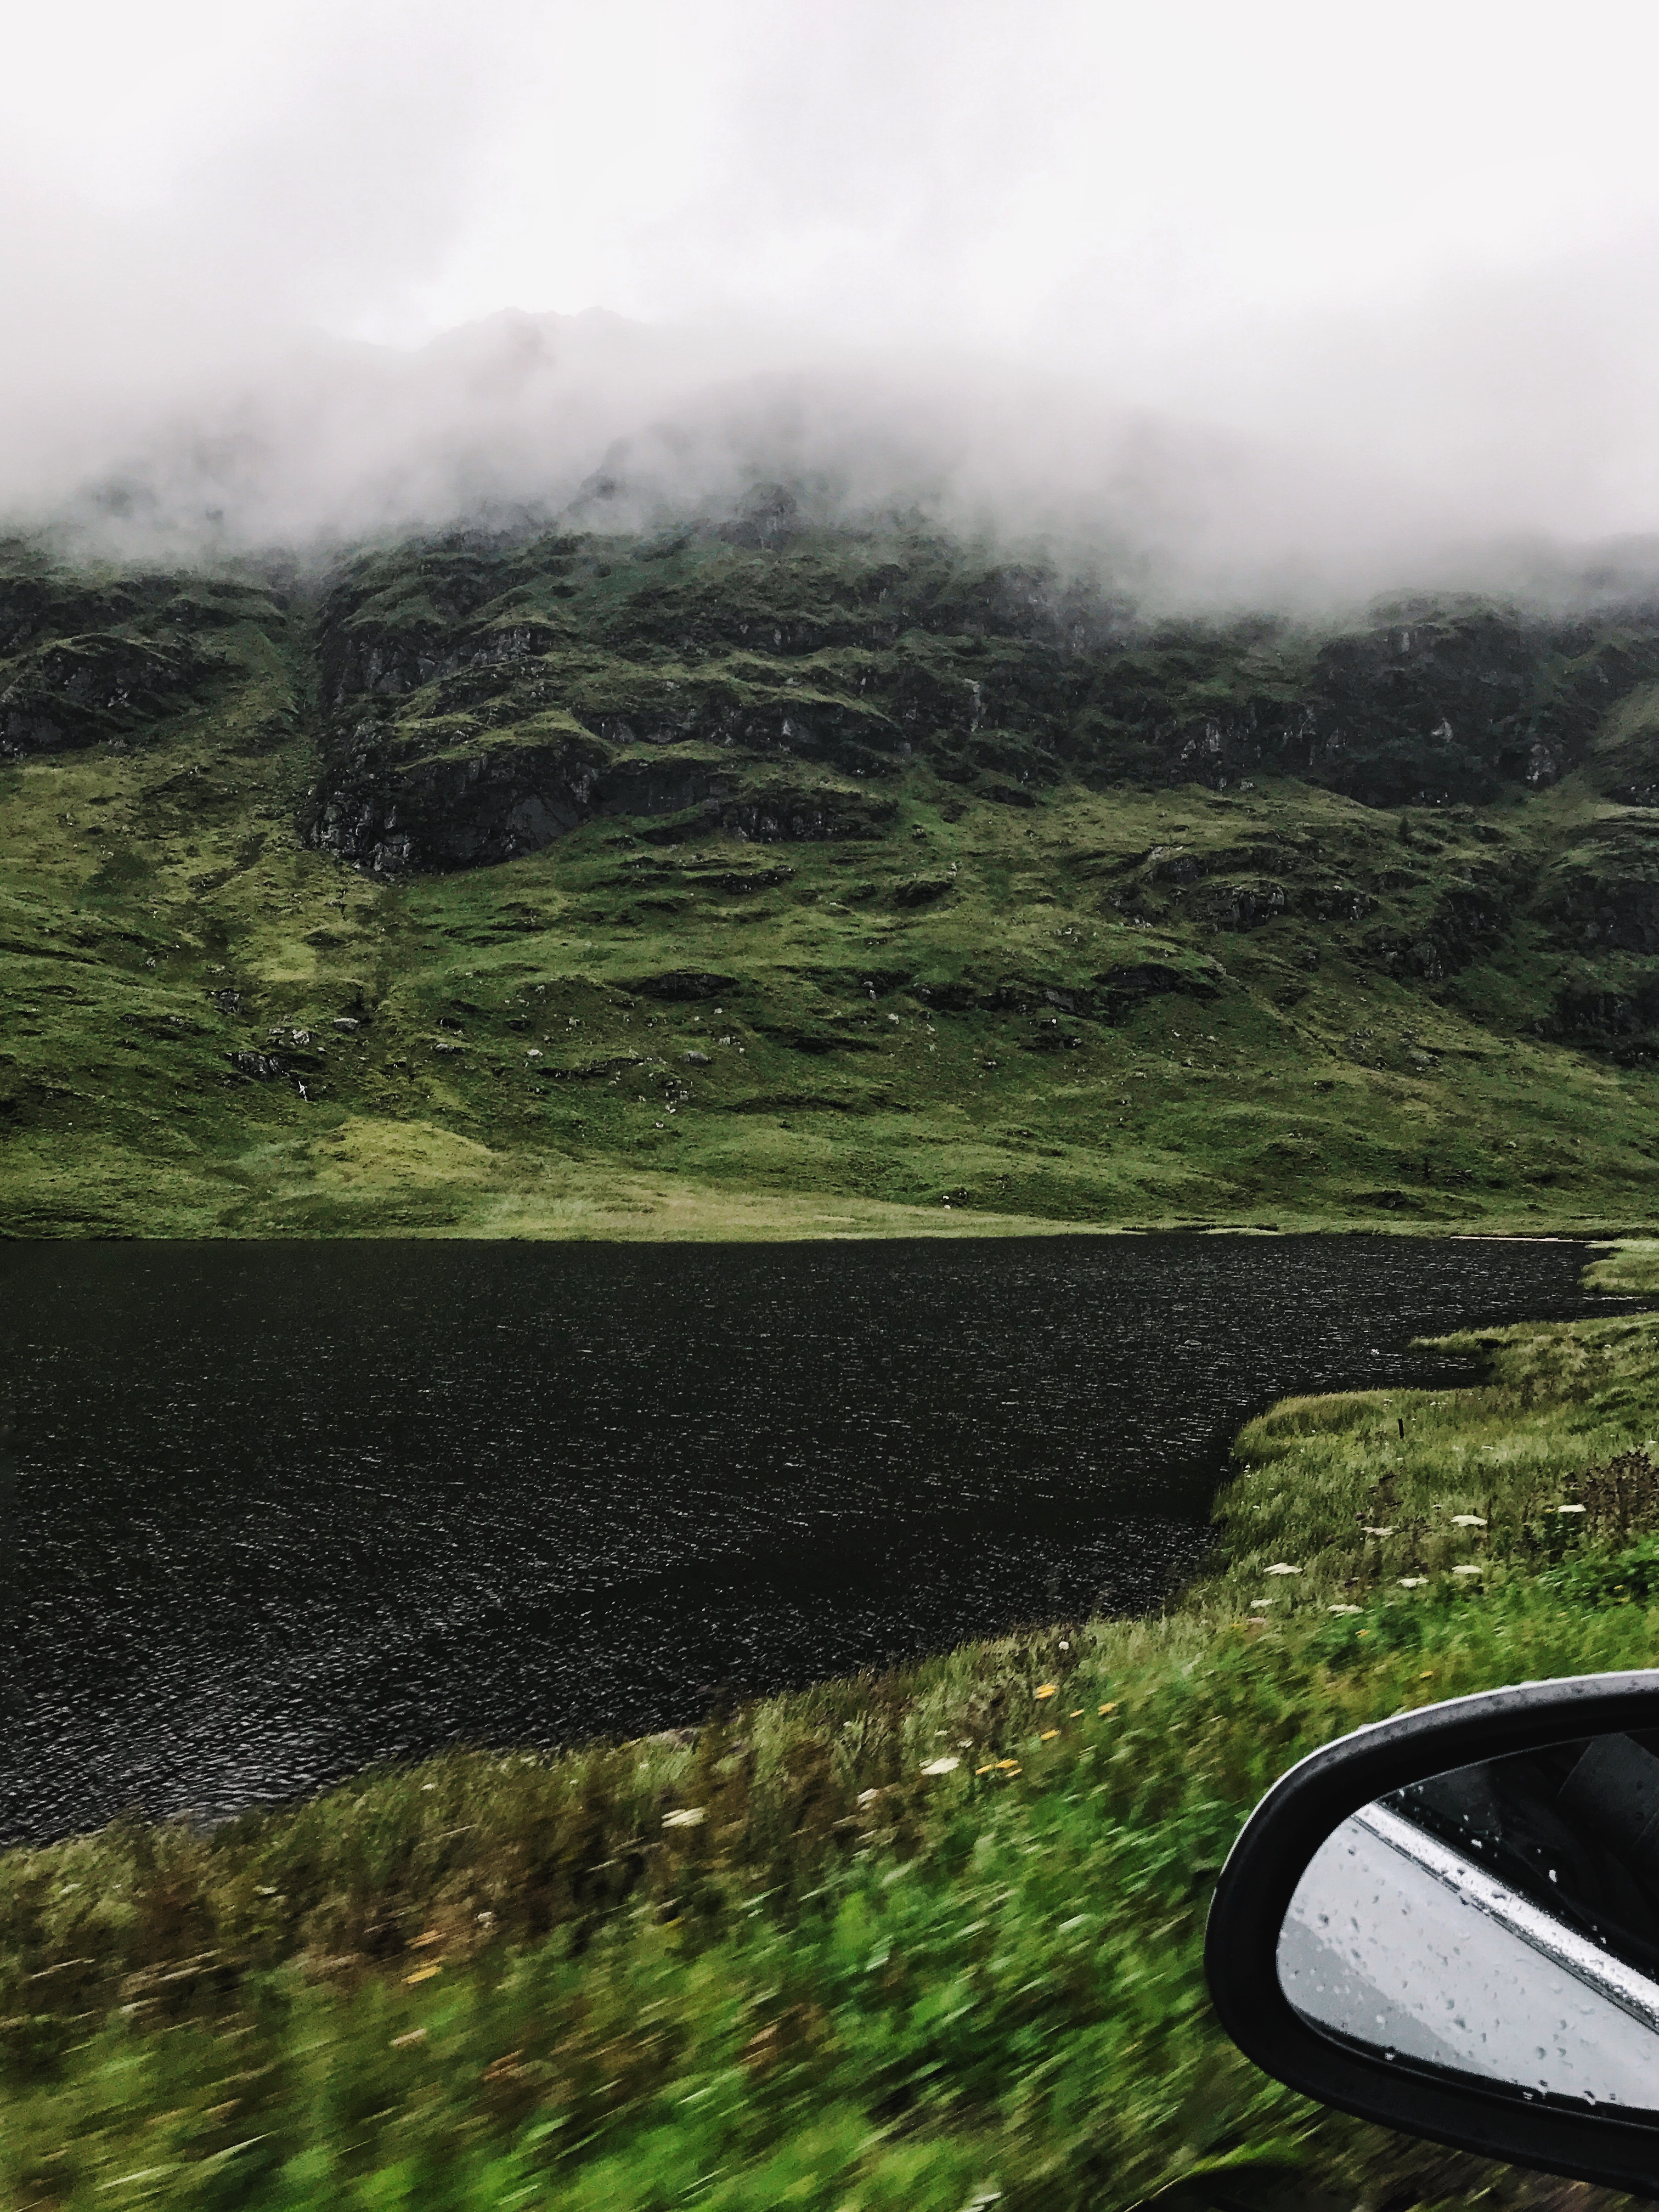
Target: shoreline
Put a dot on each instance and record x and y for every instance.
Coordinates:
(1628, 1269)
(1602, 1258)
(884, 1224)
(891, 1939)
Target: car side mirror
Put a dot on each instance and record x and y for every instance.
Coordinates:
(1448, 1923)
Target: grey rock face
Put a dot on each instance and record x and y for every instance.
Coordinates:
(682, 986)
(75, 691)
(259, 1066)
(1109, 997)
(467, 810)
(1596, 913)
(484, 698)
(1624, 1023)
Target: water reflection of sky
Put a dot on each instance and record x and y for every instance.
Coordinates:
(282, 1509)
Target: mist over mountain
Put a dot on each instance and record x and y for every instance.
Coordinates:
(602, 423)
(1271, 310)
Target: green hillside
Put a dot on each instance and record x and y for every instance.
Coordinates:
(759, 882)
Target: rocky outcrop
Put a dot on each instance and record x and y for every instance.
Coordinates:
(455, 812)
(763, 640)
(42, 604)
(1619, 1019)
(682, 986)
(1591, 912)
(1110, 996)
(92, 659)
(1116, 993)
(1242, 906)
(259, 1066)
(1428, 704)
(81, 691)
(483, 803)
(1464, 923)
(806, 813)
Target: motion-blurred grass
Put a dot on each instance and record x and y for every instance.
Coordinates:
(928, 1941)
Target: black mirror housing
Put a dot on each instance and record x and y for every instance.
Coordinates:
(1614, 2146)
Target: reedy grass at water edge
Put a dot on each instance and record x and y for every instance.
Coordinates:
(501, 1979)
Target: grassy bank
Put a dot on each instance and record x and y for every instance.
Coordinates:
(930, 1941)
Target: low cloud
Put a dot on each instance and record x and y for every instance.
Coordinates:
(1336, 464)
(1284, 319)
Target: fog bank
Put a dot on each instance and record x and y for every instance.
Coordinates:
(1341, 469)
(1238, 307)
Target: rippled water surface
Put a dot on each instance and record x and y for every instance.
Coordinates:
(278, 1510)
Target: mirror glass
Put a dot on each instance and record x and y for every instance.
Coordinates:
(1500, 1922)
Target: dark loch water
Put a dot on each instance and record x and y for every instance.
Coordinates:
(276, 1511)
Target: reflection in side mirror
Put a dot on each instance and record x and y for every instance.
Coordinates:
(1488, 1922)
(1449, 1922)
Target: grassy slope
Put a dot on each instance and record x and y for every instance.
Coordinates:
(137, 886)
(498, 1980)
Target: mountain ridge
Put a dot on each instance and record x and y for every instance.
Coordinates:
(312, 890)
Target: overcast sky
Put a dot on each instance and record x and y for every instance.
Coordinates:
(1400, 261)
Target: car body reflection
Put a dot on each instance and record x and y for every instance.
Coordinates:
(1399, 1941)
